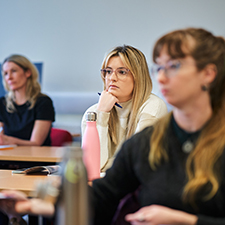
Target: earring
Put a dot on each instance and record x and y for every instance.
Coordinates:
(204, 88)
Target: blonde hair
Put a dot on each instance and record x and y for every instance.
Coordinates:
(202, 163)
(135, 61)
(33, 88)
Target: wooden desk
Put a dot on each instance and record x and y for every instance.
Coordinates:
(21, 182)
(27, 156)
(33, 154)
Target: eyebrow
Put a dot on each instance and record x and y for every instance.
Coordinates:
(117, 68)
(169, 60)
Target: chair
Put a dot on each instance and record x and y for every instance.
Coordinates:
(59, 137)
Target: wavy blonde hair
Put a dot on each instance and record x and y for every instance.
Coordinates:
(135, 61)
(202, 163)
(33, 88)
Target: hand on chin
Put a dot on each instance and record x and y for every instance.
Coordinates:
(113, 92)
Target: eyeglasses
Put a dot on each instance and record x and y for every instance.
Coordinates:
(170, 69)
(121, 73)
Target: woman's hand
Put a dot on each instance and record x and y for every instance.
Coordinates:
(160, 215)
(9, 204)
(39, 133)
(5, 140)
(106, 101)
(16, 203)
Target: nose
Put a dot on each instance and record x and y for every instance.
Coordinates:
(113, 76)
(161, 77)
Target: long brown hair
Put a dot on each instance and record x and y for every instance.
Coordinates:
(135, 61)
(201, 165)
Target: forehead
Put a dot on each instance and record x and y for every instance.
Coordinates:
(163, 56)
(115, 61)
(174, 47)
(10, 65)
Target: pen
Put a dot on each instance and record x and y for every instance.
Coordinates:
(115, 103)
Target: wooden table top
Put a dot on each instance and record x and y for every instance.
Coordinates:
(33, 154)
(22, 182)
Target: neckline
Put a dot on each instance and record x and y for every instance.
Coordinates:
(20, 106)
(125, 110)
(125, 103)
(186, 139)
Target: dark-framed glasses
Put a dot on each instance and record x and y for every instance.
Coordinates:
(170, 69)
(121, 73)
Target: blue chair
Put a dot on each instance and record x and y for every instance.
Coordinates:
(39, 67)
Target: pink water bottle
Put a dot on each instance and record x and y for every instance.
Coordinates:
(91, 147)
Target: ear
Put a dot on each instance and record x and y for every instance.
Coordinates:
(210, 72)
(28, 73)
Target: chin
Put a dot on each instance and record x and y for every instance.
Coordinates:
(13, 89)
(170, 101)
(113, 92)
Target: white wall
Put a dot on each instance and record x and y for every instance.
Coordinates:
(71, 36)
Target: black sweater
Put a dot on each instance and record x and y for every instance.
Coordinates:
(164, 186)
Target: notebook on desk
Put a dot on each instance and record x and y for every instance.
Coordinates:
(38, 170)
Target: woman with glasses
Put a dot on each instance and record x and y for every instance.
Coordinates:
(26, 115)
(178, 164)
(126, 105)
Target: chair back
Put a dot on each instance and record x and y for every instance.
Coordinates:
(59, 137)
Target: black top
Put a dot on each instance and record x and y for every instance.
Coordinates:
(164, 186)
(20, 123)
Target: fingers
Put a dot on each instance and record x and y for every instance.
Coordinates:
(106, 102)
(1, 139)
(10, 201)
(140, 217)
(41, 207)
(18, 203)
(109, 95)
(35, 207)
(13, 194)
(4, 139)
(23, 207)
(135, 217)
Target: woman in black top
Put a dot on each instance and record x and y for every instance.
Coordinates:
(26, 115)
(178, 164)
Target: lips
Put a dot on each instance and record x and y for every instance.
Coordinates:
(164, 91)
(10, 83)
(113, 86)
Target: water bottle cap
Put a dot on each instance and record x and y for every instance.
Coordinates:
(91, 116)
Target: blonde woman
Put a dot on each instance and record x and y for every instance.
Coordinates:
(26, 115)
(127, 82)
